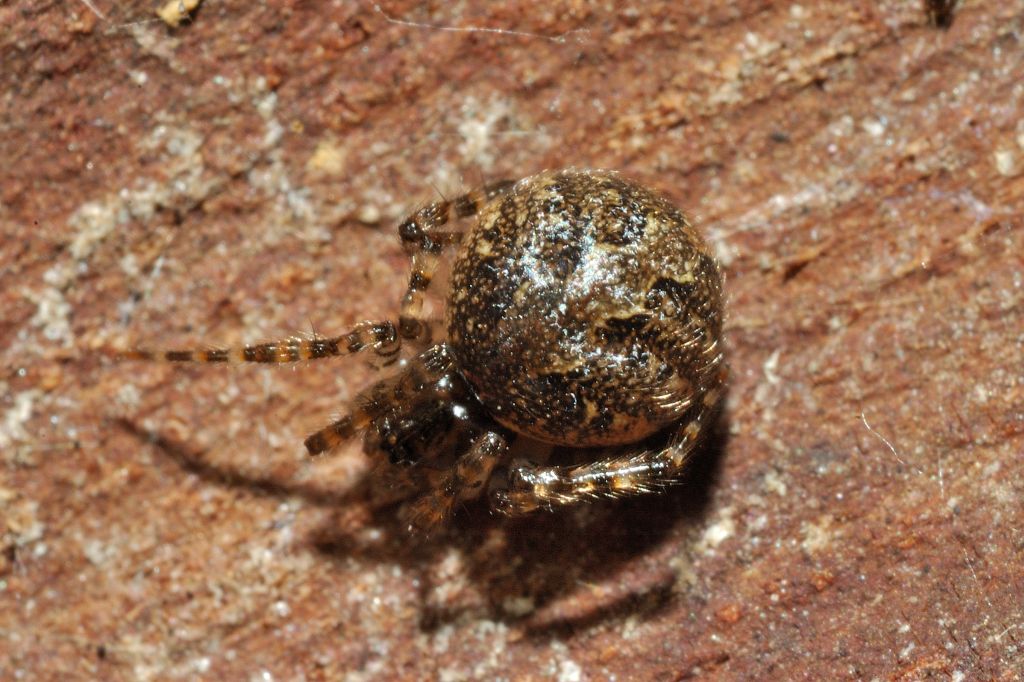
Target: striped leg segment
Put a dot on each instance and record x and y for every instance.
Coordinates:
(381, 337)
(424, 241)
(465, 481)
(532, 487)
(389, 397)
(336, 433)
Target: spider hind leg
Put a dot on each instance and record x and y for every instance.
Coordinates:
(532, 487)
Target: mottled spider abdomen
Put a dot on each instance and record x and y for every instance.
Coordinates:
(585, 310)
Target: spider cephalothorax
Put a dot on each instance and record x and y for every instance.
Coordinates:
(582, 311)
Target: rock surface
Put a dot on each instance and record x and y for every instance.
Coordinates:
(239, 177)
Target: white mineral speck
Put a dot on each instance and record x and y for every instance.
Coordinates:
(12, 429)
(873, 127)
(721, 530)
(1006, 162)
(818, 535)
(569, 671)
(773, 482)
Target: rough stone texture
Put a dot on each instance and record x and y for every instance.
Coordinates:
(859, 172)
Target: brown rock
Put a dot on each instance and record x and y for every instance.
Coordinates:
(855, 168)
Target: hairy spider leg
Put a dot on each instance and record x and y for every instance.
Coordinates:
(424, 241)
(532, 487)
(420, 375)
(464, 481)
(380, 337)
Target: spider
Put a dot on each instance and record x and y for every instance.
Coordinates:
(582, 311)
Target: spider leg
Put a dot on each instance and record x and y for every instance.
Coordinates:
(422, 374)
(424, 240)
(531, 487)
(381, 337)
(464, 481)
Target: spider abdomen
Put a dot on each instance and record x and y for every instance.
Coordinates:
(585, 310)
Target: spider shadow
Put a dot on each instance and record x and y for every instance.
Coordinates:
(543, 572)
(547, 571)
(194, 461)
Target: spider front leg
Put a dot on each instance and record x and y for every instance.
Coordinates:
(380, 337)
(424, 240)
(418, 382)
(465, 481)
(532, 487)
